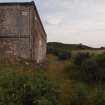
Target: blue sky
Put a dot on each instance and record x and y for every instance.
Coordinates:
(73, 21)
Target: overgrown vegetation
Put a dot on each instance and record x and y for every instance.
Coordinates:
(88, 73)
(27, 89)
(67, 46)
(60, 51)
(88, 68)
(85, 95)
(79, 79)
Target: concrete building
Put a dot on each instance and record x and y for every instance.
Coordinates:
(21, 31)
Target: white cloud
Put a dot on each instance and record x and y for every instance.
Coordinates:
(53, 20)
(73, 21)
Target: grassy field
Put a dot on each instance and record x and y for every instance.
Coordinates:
(93, 51)
(55, 70)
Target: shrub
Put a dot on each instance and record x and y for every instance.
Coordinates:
(93, 69)
(80, 57)
(74, 70)
(99, 98)
(21, 89)
(88, 68)
(62, 54)
(101, 60)
(81, 96)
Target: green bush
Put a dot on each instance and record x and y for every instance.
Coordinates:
(88, 68)
(93, 69)
(21, 89)
(81, 95)
(62, 54)
(80, 57)
(99, 98)
(74, 70)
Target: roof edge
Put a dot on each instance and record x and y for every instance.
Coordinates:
(17, 3)
(39, 18)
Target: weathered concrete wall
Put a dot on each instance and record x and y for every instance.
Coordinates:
(16, 47)
(15, 30)
(39, 38)
(21, 32)
(14, 20)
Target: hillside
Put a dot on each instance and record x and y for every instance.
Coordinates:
(67, 46)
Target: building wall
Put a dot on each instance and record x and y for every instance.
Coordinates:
(15, 20)
(21, 33)
(15, 30)
(39, 37)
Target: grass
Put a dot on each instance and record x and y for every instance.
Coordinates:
(92, 51)
(55, 71)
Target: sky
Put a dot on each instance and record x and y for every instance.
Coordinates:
(73, 21)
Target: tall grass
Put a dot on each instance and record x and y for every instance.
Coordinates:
(27, 89)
